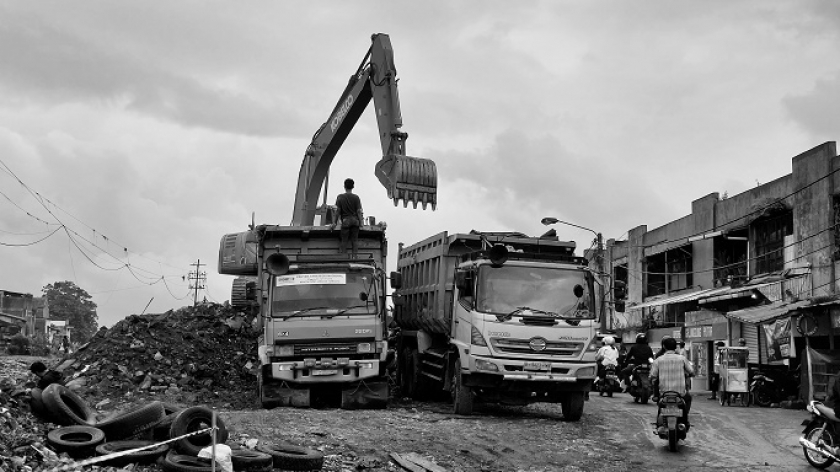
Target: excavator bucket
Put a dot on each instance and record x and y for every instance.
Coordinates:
(410, 179)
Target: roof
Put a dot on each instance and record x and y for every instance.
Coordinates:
(764, 313)
(683, 297)
(735, 292)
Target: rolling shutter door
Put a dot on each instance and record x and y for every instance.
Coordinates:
(752, 334)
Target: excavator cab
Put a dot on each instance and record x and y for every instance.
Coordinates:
(410, 179)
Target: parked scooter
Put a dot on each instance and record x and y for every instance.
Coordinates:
(670, 423)
(763, 389)
(640, 386)
(820, 437)
(609, 383)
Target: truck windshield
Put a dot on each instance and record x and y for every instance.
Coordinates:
(295, 292)
(534, 291)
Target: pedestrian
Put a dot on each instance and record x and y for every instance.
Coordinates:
(681, 349)
(350, 215)
(45, 376)
(671, 372)
(714, 377)
(662, 347)
(65, 344)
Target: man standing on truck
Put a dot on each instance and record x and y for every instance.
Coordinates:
(350, 215)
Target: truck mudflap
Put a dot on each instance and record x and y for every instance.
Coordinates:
(365, 395)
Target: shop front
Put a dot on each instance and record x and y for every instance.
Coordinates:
(707, 329)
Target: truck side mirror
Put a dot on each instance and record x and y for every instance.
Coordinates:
(396, 280)
(460, 280)
(578, 290)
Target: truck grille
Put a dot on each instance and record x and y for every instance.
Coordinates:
(524, 346)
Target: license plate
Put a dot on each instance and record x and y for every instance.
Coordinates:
(671, 411)
(324, 372)
(537, 366)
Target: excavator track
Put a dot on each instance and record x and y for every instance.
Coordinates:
(410, 179)
(243, 292)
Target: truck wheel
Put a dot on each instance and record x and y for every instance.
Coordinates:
(407, 384)
(572, 406)
(462, 395)
(264, 402)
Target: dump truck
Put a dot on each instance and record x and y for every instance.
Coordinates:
(495, 317)
(323, 311)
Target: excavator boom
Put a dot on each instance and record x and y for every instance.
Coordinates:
(410, 179)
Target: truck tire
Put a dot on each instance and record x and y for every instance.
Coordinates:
(66, 407)
(77, 441)
(572, 405)
(196, 418)
(407, 379)
(146, 456)
(462, 395)
(289, 457)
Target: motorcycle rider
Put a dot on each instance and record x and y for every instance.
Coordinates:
(639, 353)
(670, 372)
(607, 355)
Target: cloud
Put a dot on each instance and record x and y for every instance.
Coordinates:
(817, 110)
(50, 65)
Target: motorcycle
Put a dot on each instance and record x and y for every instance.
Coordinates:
(670, 423)
(609, 383)
(763, 390)
(820, 437)
(640, 386)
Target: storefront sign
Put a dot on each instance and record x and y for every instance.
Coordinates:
(777, 334)
(698, 332)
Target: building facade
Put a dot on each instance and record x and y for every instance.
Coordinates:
(758, 266)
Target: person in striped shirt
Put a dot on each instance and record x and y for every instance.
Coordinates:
(671, 371)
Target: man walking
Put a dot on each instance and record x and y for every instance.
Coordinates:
(671, 370)
(350, 214)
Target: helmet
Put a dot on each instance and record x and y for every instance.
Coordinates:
(641, 336)
(609, 340)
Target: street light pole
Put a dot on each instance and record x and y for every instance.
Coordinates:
(599, 257)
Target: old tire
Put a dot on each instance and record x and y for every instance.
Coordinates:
(172, 462)
(248, 460)
(132, 422)
(146, 456)
(572, 405)
(192, 419)
(66, 407)
(462, 395)
(77, 441)
(288, 457)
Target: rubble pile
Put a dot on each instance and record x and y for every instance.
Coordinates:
(202, 354)
(21, 435)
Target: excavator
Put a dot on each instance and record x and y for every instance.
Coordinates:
(322, 311)
(410, 179)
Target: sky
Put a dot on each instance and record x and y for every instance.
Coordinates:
(134, 135)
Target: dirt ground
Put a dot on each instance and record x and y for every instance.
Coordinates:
(495, 438)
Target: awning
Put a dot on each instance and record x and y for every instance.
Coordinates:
(11, 320)
(763, 313)
(729, 293)
(683, 297)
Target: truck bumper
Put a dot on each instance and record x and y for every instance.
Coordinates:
(296, 373)
(529, 376)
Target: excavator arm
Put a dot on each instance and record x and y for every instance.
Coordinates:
(405, 178)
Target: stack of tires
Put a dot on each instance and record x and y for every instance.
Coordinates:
(82, 436)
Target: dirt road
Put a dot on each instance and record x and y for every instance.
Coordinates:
(613, 435)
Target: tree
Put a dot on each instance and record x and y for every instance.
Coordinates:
(70, 303)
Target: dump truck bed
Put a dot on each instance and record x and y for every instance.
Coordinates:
(428, 272)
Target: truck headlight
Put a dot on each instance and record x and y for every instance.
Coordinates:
(365, 365)
(284, 350)
(282, 367)
(481, 364)
(476, 338)
(364, 347)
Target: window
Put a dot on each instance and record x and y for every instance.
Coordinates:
(731, 258)
(669, 271)
(769, 240)
(619, 287)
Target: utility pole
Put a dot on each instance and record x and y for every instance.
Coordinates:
(601, 296)
(199, 278)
